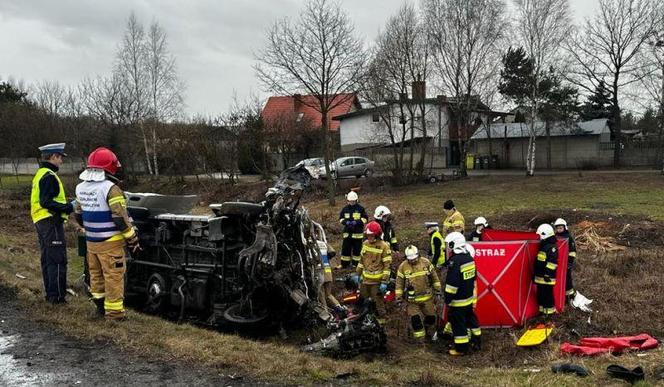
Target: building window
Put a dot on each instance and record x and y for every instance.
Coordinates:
(375, 117)
(299, 117)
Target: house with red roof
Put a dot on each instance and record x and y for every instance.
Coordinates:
(293, 125)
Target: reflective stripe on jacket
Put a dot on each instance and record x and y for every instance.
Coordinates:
(96, 211)
(37, 212)
(375, 261)
(417, 280)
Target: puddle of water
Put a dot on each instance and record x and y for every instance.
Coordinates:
(14, 373)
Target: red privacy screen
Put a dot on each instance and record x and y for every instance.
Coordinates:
(505, 290)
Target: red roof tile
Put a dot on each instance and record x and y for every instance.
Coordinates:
(279, 105)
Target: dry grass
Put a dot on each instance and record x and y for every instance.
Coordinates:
(626, 287)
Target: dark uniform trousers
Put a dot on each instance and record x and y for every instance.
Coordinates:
(51, 234)
(465, 327)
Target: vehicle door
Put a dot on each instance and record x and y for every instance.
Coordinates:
(346, 168)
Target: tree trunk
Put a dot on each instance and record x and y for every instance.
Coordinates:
(155, 164)
(617, 124)
(412, 143)
(548, 144)
(420, 164)
(146, 148)
(326, 157)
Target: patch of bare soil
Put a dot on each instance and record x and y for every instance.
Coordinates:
(623, 230)
(32, 353)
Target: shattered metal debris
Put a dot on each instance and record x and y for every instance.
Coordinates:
(20, 276)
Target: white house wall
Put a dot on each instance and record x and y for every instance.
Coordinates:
(360, 130)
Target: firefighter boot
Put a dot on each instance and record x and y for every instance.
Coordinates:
(476, 342)
(99, 303)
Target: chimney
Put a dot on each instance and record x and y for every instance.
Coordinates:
(419, 89)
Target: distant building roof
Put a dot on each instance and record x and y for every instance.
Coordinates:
(278, 105)
(520, 130)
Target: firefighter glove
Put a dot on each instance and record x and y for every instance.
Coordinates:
(383, 288)
(133, 244)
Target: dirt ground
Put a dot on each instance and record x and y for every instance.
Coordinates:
(33, 354)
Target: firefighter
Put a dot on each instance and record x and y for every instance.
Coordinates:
(546, 266)
(437, 244)
(383, 216)
(453, 221)
(480, 224)
(353, 217)
(49, 211)
(374, 268)
(418, 281)
(562, 231)
(460, 295)
(327, 253)
(102, 211)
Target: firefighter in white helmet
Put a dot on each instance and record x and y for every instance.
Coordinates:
(480, 225)
(546, 266)
(352, 217)
(460, 295)
(562, 231)
(383, 216)
(418, 282)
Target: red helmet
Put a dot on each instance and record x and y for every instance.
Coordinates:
(373, 228)
(104, 158)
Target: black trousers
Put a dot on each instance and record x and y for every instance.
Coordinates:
(545, 299)
(350, 251)
(569, 282)
(464, 326)
(51, 234)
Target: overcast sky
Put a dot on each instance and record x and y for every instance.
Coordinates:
(213, 40)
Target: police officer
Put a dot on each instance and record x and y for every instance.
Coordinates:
(437, 244)
(546, 266)
(49, 210)
(383, 216)
(480, 224)
(102, 211)
(418, 282)
(352, 217)
(562, 231)
(460, 295)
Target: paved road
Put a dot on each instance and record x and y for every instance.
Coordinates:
(32, 354)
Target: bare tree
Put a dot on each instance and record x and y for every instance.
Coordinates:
(652, 77)
(316, 54)
(50, 96)
(130, 72)
(542, 27)
(400, 57)
(466, 37)
(607, 50)
(165, 99)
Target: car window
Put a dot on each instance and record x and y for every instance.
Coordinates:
(359, 160)
(347, 162)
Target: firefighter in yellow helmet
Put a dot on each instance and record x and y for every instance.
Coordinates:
(374, 268)
(102, 211)
(418, 283)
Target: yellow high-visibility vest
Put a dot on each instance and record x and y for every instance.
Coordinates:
(37, 212)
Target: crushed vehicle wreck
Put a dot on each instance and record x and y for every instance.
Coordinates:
(249, 264)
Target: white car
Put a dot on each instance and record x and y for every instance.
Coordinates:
(315, 166)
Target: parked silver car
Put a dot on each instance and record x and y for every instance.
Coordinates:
(352, 166)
